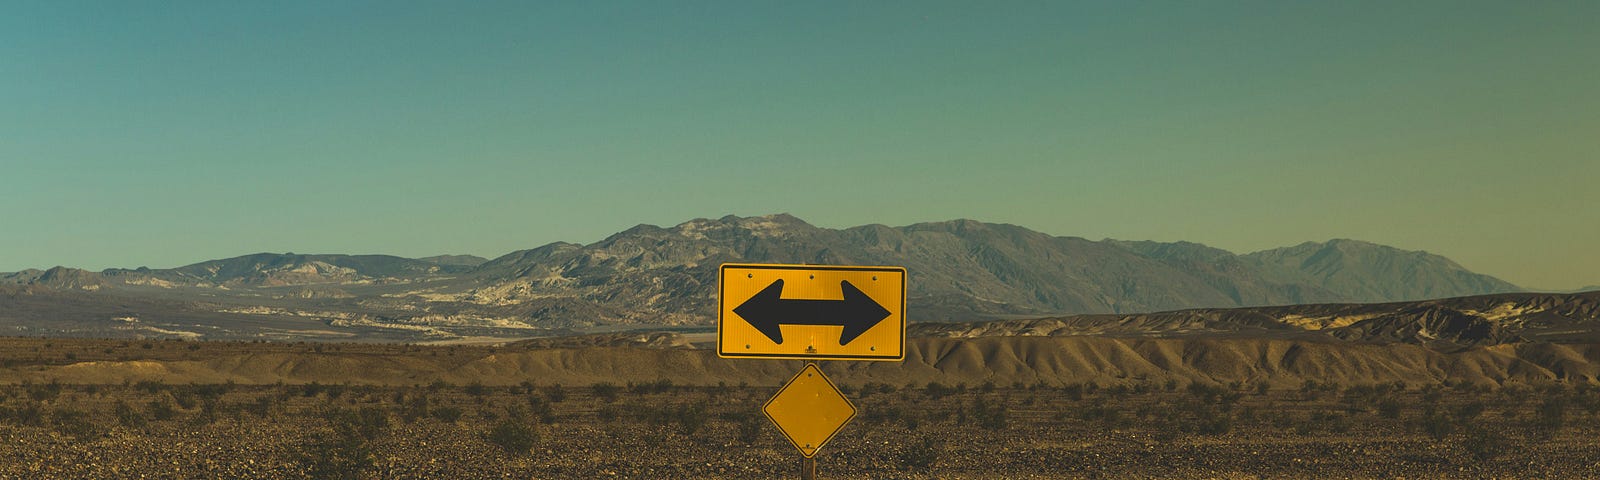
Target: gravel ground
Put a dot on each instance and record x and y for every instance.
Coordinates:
(679, 432)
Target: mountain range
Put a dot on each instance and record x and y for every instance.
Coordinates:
(649, 275)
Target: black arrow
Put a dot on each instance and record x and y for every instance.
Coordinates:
(857, 313)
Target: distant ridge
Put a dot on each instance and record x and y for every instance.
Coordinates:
(456, 260)
(964, 268)
(650, 275)
(1363, 270)
(56, 277)
(287, 269)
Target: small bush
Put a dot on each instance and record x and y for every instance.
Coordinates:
(30, 414)
(1075, 391)
(1436, 424)
(209, 411)
(335, 391)
(447, 414)
(647, 388)
(1485, 445)
(1211, 421)
(185, 398)
(344, 454)
(1389, 408)
(1466, 412)
(414, 408)
(76, 424)
(884, 414)
(514, 437)
(921, 454)
(161, 410)
(1323, 422)
(42, 392)
(128, 417)
(749, 428)
(1098, 410)
(150, 386)
(555, 393)
(606, 391)
(1551, 416)
(542, 409)
(876, 387)
(691, 418)
(608, 413)
(262, 406)
(369, 423)
(1312, 390)
(1432, 394)
(991, 416)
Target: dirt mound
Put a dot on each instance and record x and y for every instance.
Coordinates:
(1005, 360)
(1444, 324)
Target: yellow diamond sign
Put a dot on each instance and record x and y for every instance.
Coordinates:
(809, 410)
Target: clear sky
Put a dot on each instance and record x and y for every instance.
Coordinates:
(163, 133)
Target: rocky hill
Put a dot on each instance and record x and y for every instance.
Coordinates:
(1369, 272)
(965, 269)
(459, 260)
(649, 275)
(289, 269)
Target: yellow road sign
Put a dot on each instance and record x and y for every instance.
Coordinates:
(811, 312)
(809, 410)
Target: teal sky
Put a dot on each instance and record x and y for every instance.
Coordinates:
(164, 133)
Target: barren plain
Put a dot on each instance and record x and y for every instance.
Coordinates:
(649, 406)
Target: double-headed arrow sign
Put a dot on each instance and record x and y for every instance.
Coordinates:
(857, 313)
(832, 312)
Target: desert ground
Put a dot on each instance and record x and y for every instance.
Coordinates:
(124, 409)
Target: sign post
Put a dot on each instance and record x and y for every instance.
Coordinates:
(811, 312)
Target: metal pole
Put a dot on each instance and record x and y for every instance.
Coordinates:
(808, 465)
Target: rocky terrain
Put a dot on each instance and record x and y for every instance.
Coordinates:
(1491, 386)
(1447, 324)
(959, 271)
(958, 409)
